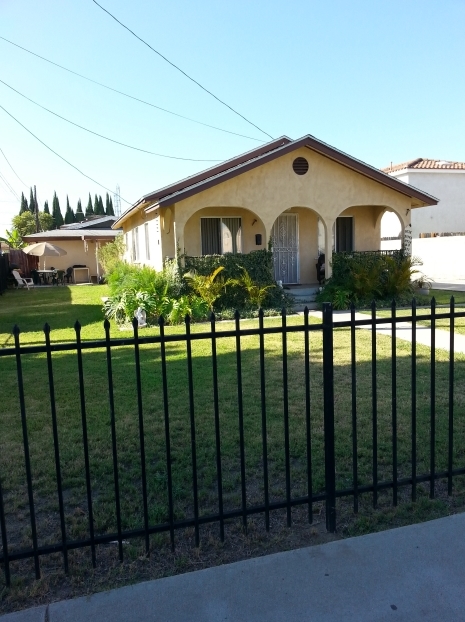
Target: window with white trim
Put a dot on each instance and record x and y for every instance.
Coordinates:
(147, 241)
(221, 235)
(135, 255)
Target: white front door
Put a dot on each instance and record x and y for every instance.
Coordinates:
(285, 240)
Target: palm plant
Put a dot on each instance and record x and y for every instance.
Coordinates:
(13, 239)
(209, 287)
(255, 291)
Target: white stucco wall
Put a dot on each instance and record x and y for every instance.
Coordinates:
(446, 185)
(443, 258)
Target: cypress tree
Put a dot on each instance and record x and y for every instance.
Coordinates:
(46, 209)
(69, 215)
(56, 212)
(101, 209)
(32, 204)
(24, 206)
(89, 210)
(96, 205)
(79, 214)
(109, 210)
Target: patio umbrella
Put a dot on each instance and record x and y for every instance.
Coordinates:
(44, 249)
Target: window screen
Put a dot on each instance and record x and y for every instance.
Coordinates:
(220, 235)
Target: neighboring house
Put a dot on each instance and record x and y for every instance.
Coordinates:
(442, 179)
(438, 232)
(282, 193)
(80, 240)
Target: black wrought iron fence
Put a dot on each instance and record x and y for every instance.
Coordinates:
(316, 413)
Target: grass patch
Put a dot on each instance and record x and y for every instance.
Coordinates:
(61, 306)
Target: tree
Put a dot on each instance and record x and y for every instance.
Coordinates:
(46, 209)
(56, 212)
(13, 239)
(24, 206)
(69, 215)
(32, 203)
(79, 213)
(89, 210)
(25, 223)
(109, 206)
(101, 209)
(96, 205)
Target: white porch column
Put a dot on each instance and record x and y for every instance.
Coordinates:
(328, 247)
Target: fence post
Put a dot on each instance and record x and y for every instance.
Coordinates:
(328, 392)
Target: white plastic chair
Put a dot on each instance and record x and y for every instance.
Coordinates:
(22, 282)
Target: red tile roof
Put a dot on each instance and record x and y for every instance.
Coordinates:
(425, 163)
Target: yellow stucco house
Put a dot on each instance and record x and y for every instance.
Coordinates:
(303, 196)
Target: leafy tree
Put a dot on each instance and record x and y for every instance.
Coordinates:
(69, 215)
(89, 209)
(109, 206)
(79, 213)
(24, 206)
(25, 223)
(13, 239)
(56, 212)
(46, 209)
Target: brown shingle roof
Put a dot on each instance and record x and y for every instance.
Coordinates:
(260, 155)
(425, 163)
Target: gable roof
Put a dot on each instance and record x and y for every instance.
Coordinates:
(424, 163)
(101, 222)
(261, 155)
(72, 234)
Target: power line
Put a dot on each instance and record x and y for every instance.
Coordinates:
(137, 99)
(160, 155)
(181, 71)
(13, 169)
(57, 154)
(9, 187)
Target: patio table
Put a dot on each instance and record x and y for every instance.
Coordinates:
(46, 274)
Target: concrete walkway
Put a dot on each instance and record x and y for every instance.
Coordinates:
(404, 331)
(405, 575)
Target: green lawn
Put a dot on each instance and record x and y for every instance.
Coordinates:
(62, 306)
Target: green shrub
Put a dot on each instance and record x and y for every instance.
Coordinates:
(259, 266)
(360, 278)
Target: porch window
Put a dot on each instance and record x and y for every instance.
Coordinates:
(147, 241)
(344, 234)
(221, 235)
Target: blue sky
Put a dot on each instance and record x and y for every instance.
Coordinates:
(382, 81)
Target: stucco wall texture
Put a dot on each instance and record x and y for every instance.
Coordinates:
(449, 187)
(326, 191)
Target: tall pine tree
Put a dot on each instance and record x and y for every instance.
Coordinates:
(24, 206)
(32, 204)
(69, 215)
(101, 209)
(46, 209)
(109, 211)
(79, 214)
(56, 212)
(89, 209)
(96, 206)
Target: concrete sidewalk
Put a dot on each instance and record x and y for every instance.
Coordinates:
(404, 331)
(405, 575)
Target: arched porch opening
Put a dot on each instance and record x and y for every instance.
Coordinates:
(294, 240)
(220, 230)
(392, 231)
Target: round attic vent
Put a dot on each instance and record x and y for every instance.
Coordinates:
(300, 166)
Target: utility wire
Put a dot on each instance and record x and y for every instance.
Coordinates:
(181, 71)
(9, 187)
(137, 99)
(61, 157)
(160, 155)
(13, 169)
